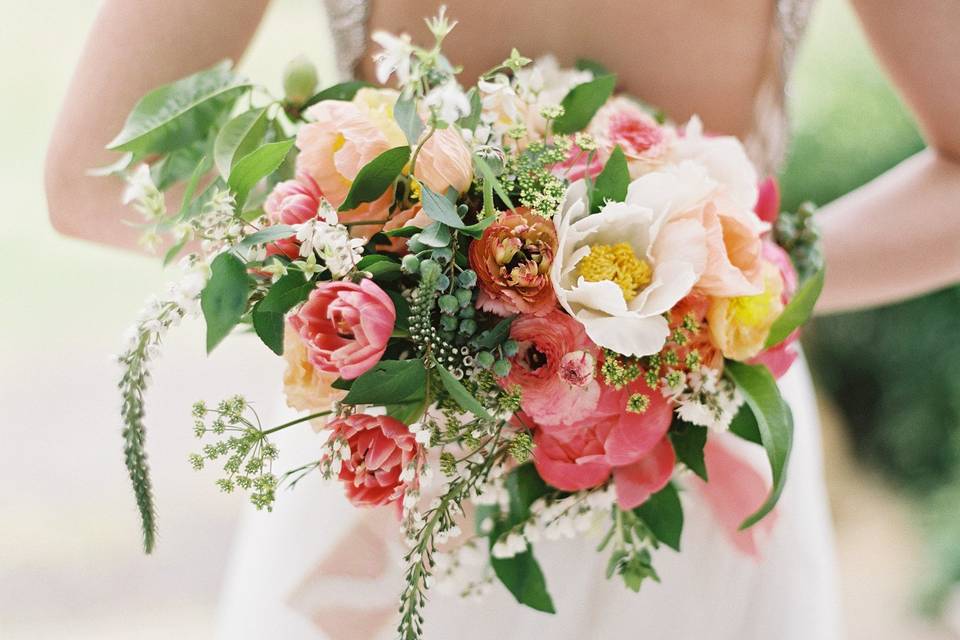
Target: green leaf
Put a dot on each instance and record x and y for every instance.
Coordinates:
(774, 421)
(476, 229)
(524, 486)
(582, 102)
(198, 172)
(487, 174)
(744, 425)
(388, 382)
(663, 515)
(407, 412)
(180, 113)
(405, 113)
(798, 310)
(522, 576)
(268, 314)
(255, 166)
(268, 234)
(341, 384)
(688, 442)
(594, 67)
(460, 394)
(376, 177)
(402, 232)
(173, 252)
(237, 138)
(470, 121)
(176, 166)
(224, 299)
(380, 267)
(343, 91)
(612, 182)
(440, 208)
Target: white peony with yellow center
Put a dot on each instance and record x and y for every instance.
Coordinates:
(619, 270)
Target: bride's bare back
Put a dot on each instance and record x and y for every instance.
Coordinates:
(682, 56)
(685, 55)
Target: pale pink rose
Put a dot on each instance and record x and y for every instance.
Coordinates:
(555, 368)
(346, 326)
(633, 447)
(643, 140)
(381, 448)
(412, 217)
(292, 202)
(340, 139)
(444, 161)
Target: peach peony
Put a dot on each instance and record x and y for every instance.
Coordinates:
(513, 260)
(739, 326)
(444, 162)
(306, 387)
(381, 448)
(341, 139)
(346, 326)
(412, 217)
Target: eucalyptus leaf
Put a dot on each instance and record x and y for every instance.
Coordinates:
(663, 515)
(388, 382)
(439, 208)
(476, 229)
(376, 177)
(495, 335)
(343, 91)
(460, 394)
(612, 182)
(405, 113)
(224, 299)
(774, 421)
(582, 102)
(436, 235)
(798, 310)
(255, 166)
(180, 113)
(470, 121)
(237, 138)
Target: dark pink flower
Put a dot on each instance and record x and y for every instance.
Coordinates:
(292, 202)
(381, 447)
(346, 326)
(768, 200)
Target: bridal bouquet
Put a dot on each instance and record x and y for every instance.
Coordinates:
(533, 300)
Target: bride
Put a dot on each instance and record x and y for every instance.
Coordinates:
(314, 569)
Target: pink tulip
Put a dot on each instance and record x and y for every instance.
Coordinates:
(292, 202)
(768, 200)
(346, 326)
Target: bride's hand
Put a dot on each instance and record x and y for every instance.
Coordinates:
(134, 46)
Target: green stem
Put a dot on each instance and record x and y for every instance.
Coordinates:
(319, 414)
(416, 152)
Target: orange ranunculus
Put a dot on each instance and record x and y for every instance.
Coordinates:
(512, 260)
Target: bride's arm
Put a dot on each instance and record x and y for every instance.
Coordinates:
(899, 235)
(134, 46)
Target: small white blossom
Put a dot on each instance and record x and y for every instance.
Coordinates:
(448, 102)
(394, 57)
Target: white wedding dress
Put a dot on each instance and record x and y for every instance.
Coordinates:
(316, 568)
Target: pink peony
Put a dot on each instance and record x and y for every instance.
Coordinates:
(346, 326)
(381, 447)
(631, 446)
(341, 139)
(554, 368)
(444, 162)
(292, 202)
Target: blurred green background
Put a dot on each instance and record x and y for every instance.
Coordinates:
(69, 552)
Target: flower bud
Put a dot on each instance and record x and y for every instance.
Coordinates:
(299, 80)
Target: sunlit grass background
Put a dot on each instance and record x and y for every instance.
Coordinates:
(70, 562)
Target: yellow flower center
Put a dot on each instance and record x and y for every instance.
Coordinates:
(751, 311)
(618, 264)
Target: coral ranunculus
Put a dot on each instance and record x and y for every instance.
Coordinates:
(381, 448)
(554, 367)
(346, 326)
(512, 261)
(292, 202)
